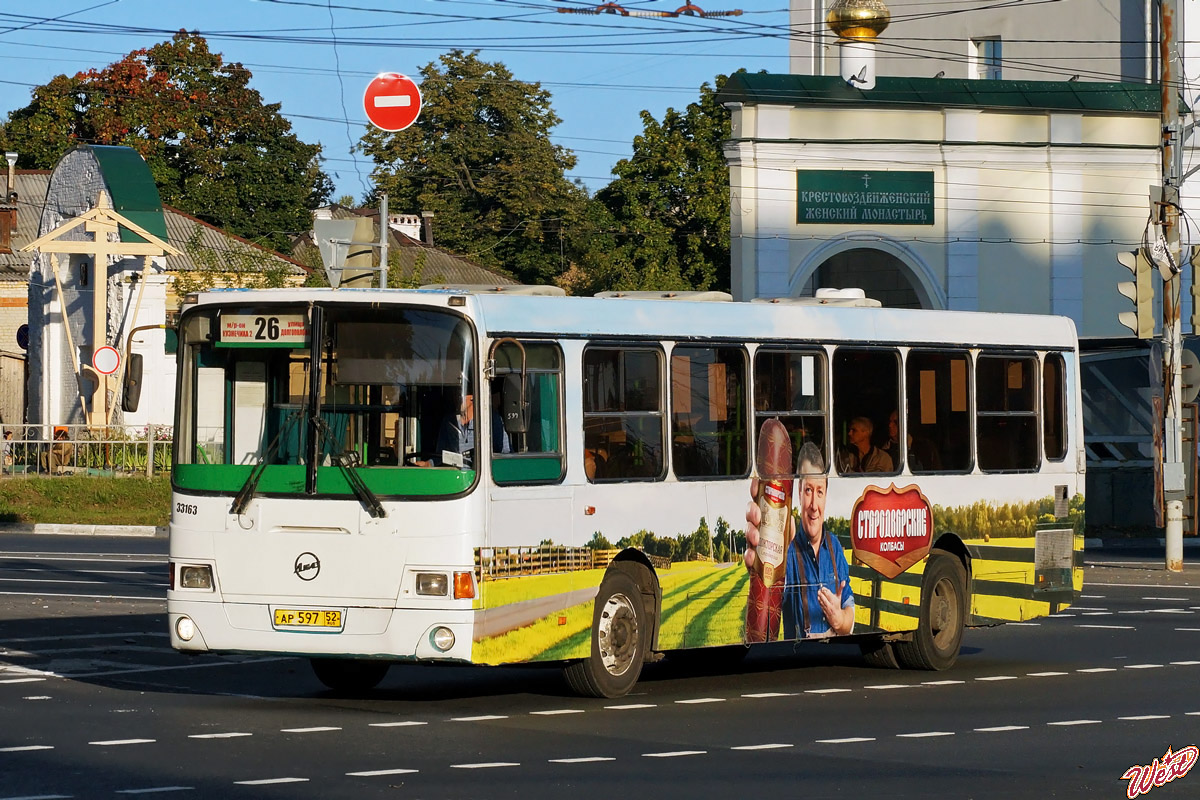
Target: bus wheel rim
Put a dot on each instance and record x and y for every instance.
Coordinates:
(617, 634)
(943, 613)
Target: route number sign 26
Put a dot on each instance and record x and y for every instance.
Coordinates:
(263, 330)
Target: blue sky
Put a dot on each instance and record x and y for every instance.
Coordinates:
(315, 57)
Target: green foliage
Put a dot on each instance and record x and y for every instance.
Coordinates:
(215, 149)
(86, 500)
(242, 267)
(480, 158)
(663, 224)
(599, 542)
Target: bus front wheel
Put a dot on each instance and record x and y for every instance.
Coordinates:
(349, 674)
(935, 643)
(618, 641)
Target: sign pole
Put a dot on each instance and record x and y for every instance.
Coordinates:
(1168, 218)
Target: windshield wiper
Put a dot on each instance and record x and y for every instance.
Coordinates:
(349, 461)
(250, 487)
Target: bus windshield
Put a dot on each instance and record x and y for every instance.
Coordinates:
(385, 382)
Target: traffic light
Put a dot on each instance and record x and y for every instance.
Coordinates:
(1141, 291)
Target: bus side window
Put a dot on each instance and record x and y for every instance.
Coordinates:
(1054, 403)
(1006, 415)
(866, 390)
(708, 407)
(790, 385)
(623, 415)
(938, 430)
(535, 456)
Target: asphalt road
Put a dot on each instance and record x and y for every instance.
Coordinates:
(94, 704)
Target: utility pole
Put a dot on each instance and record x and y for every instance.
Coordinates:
(1167, 217)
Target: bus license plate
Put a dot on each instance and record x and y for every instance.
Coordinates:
(308, 618)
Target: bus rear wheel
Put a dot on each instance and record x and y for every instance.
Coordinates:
(618, 641)
(935, 643)
(349, 674)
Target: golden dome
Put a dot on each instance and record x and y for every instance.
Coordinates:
(858, 19)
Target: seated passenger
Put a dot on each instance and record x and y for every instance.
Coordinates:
(457, 435)
(860, 455)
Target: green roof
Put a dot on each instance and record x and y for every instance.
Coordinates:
(133, 191)
(755, 88)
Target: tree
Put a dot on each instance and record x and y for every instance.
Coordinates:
(214, 148)
(479, 157)
(669, 205)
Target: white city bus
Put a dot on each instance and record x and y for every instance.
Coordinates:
(320, 510)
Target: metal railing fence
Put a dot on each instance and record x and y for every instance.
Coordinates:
(80, 450)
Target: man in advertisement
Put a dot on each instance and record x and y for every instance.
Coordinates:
(816, 598)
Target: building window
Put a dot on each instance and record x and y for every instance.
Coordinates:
(987, 58)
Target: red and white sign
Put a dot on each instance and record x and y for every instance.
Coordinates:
(392, 101)
(891, 529)
(106, 359)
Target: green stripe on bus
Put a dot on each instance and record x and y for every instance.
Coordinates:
(289, 479)
(526, 469)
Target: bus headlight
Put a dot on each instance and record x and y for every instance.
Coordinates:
(185, 629)
(431, 583)
(442, 638)
(195, 577)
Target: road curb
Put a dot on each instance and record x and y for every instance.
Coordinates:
(85, 530)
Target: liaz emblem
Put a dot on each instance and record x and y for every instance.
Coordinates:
(307, 566)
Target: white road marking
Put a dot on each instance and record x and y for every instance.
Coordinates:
(269, 781)
(1097, 613)
(40, 797)
(850, 740)
(405, 724)
(941, 683)
(758, 695)
(486, 765)
(22, 680)
(700, 700)
(998, 678)
(1146, 716)
(924, 735)
(147, 598)
(1168, 599)
(1139, 585)
(1045, 674)
(1092, 597)
(28, 748)
(85, 637)
(1189, 630)
(1141, 611)
(1169, 611)
(1003, 728)
(556, 712)
(119, 742)
(889, 686)
(1143, 666)
(583, 760)
(1082, 608)
(1192, 713)
(376, 772)
(1059, 616)
(1098, 669)
(1026, 624)
(630, 706)
(675, 754)
(1184, 663)
(1068, 722)
(1109, 627)
(825, 691)
(37, 697)
(319, 729)
(230, 735)
(480, 718)
(761, 746)
(157, 790)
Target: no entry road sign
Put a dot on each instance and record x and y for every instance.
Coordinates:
(392, 101)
